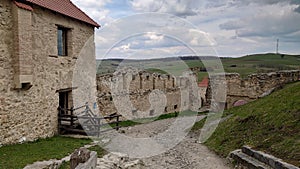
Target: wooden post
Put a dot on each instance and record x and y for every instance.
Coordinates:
(86, 107)
(117, 123)
(59, 120)
(98, 127)
(72, 116)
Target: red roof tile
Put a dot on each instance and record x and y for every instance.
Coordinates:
(204, 82)
(23, 6)
(65, 7)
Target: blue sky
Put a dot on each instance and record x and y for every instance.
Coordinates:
(160, 28)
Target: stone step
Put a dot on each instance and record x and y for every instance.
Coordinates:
(267, 159)
(247, 161)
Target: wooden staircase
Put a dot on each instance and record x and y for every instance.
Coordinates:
(83, 121)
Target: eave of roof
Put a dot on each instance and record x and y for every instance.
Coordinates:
(65, 7)
(23, 6)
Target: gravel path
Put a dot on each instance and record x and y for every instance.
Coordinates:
(188, 154)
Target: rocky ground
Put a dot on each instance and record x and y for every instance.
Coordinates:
(188, 154)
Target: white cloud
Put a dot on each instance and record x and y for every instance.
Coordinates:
(181, 8)
(266, 22)
(232, 27)
(154, 36)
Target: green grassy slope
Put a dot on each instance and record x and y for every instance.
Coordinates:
(270, 124)
(261, 63)
(258, 63)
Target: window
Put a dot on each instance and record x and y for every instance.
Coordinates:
(62, 44)
(134, 112)
(151, 112)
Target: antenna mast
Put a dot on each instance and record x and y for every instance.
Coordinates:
(277, 45)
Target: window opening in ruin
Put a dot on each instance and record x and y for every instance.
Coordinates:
(134, 112)
(173, 82)
(26, 86)
(62, 45)
(175, 106)
(110, 98)
(147, 77)
(141, 82)
(133, 77)
(151, 112)
(242, 83)
(166, 109)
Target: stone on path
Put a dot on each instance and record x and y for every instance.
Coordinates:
(118, 160)
(80, 155)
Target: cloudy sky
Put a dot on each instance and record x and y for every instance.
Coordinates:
(161, 28)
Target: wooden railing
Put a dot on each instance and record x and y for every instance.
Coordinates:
(74, 121)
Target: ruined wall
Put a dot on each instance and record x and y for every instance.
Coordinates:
(252, 87)
(139, 94)
(33, 113)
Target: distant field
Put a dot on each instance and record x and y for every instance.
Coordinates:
(258, 63)
(261, 63)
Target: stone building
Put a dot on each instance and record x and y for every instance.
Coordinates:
(203, 87)
(39, 46)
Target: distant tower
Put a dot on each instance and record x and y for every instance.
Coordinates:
(277, 45)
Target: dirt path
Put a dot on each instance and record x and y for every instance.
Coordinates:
(188, 154)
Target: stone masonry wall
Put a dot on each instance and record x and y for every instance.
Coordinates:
(32, 113)
(139, 94)
(254, 86)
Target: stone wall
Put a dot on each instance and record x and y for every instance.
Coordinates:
(139, 94)
(32, 113)
(252, 87)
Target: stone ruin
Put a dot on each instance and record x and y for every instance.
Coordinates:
(139, 94)
(251, 88)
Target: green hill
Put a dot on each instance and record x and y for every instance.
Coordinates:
(270, 124)
(261, 63)
(257, 63)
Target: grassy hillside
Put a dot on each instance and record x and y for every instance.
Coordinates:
(270, 124)
(261, 63)
(258, 63)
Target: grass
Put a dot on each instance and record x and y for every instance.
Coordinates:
(270, 124)
(128, 123)
(198, 125)
(257, 63)
(19, 155)
(65, 165)
(261, 63)
(100, 151)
